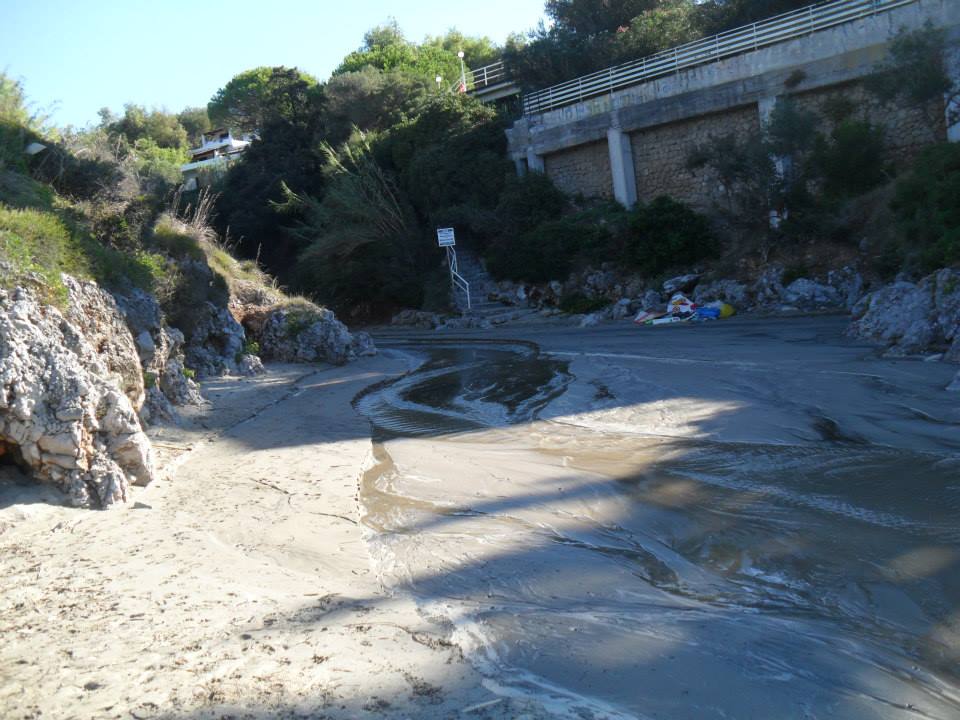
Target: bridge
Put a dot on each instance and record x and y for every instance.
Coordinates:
(625, 132)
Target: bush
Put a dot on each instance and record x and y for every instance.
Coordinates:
(927, 204)
(667, 233)
(540, 255)
(177, 244)
(851, 160)
(578, 303)
(528, 201)
(36, 247)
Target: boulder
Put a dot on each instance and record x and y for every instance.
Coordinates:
(466, 322)
(620, 309)
(899, 315)
(591, 320)
(650, 300)
(310, 335)
(808, 294)
(681, 283)
(63, 414)
(768, 287)
(913, 317)
(728, 291)
(160, 349)
(416, 318)
(216, 342)
(848, 283)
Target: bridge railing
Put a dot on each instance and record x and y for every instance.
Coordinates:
(787, 26)
(486, 76)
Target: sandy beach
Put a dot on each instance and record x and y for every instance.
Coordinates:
(749, 518)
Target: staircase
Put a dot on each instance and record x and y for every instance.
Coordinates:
(480, 281)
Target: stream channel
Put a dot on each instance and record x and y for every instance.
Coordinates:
(617, 575)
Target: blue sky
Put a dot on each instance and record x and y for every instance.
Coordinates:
(76, 57)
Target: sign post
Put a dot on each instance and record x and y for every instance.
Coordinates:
(445, 237)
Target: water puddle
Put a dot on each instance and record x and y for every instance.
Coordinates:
(615, 575)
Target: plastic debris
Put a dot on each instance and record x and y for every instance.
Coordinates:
(681, 309)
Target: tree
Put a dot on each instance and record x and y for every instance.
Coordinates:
(138, 123)
(258, 97)
(371, 100)
(195, 121)
(671, 23)
(914, 73)
(592, 17)
(385, 48)
(477, 51)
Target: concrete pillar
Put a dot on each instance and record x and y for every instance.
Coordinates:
(520, 163)
(535, 162)
(621, 167)
(952, 66)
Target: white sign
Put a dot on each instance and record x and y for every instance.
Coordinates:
(445, 237)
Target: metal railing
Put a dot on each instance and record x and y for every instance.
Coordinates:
(787, 26)
(484, 77)
(456, 279)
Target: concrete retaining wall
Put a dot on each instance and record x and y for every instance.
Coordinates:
(666, 118)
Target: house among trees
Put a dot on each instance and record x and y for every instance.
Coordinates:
(217, 149)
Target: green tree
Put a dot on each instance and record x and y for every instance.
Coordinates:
(385, 48)
(196, 122)
(914, 73)
(477, 51)
(371, 100)
(264, 95)
(138, 123)
(671, 23)
(591, 17)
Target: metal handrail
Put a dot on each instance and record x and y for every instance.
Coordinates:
(779, 28)
(456, 279)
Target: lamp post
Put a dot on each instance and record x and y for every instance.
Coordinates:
(439, 79)
(463, 73)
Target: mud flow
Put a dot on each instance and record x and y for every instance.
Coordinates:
(611, 574)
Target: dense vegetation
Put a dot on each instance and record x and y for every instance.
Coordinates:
(346, 180)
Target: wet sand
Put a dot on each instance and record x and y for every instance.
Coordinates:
(749, 519)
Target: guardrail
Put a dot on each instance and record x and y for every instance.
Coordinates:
(787, 26)
(492, 74)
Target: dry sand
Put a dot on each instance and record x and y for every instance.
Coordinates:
(238, 586)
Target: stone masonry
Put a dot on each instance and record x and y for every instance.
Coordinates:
(583, 169)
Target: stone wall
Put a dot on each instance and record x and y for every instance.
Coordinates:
(660, 155)
(908, 129)
(583, 169)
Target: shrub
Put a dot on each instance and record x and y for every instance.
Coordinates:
(927, 204)
(528, 201)
(851, 160)
(539, 255)
(37, 246)
(668, 233)
(176, 243)
(578, 303)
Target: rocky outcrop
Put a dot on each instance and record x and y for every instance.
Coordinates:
(160, 350)
(417, 319)
(728, 291)
(305, 334)
(910, 318)
(94, 313)
(216, 342)
(63, 415)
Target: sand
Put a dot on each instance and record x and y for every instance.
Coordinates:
(287, 566)
(239, 585)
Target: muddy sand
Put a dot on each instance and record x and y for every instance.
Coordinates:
(751, 519)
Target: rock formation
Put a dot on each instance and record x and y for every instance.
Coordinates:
(63, 415)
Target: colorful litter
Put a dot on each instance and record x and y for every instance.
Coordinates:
(683, 309)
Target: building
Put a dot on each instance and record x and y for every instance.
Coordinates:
(217, 149)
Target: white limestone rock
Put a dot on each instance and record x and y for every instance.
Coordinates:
(62, 410)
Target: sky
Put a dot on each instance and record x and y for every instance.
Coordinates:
(75, 57)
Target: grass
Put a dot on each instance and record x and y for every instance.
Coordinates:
(37, 246)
